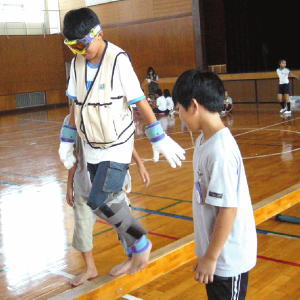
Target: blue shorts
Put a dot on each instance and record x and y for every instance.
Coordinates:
(106, 177)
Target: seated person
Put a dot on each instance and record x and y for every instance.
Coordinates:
(152, 80)
(151, 100)
(228, 104)
(169, 100)
(161, 103)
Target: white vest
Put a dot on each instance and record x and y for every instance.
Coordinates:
(102, 121)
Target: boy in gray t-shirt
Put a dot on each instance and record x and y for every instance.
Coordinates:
(225, 235)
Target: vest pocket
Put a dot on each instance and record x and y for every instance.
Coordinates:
(99, 124)
(123, 123)
(115, 177)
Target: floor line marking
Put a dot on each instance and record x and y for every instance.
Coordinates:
(169, 237)
(42, 121)
(279, 234)
(163, 235)
(153, 212)
(161, 197)
(254, 130)
(258, 156)
(10, 184)
(279, 261)
(130, 297)
(265, 127)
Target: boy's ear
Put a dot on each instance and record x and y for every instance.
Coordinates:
(195, 105)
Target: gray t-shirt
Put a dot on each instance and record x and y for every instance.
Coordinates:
(220, 181)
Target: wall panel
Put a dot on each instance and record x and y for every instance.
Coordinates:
(296, 85)
(32, 63)
(241, 91)
(156, 33)
(267, 90)
(56, 97)
(147, 45)
(7, 103)
(129, 11)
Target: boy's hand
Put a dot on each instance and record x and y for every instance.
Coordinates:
(205, 269)
(172, 151)
(66, 154)
(144, 174)
(70, 196)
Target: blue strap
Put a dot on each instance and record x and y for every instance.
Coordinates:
(128, 252)
(155, 132)
(68, 134)
(140, 245)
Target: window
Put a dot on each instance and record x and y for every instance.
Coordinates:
(95, 2)
(29, 17)
(28, 11)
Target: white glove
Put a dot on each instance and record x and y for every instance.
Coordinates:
(66, 154)
(172, 151)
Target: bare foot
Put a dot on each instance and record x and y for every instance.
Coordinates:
(83, 277)
(120, 269)
(140, 261)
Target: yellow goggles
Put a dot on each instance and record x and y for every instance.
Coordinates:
(80, 46)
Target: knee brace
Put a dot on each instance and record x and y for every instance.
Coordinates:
(119, 216)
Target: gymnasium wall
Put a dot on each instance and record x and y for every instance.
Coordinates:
(256, 88)
(156, 33)
(29, 64)
(214, 32)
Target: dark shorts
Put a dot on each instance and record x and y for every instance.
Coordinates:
(157, 111)
(152, 88)
(106, 177)
(284, 89)
(228, 107)
(227, 288)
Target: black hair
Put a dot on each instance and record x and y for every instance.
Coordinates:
(206, 87)
(159, 92)
(151, 69)
(167, 93)
(79, 22)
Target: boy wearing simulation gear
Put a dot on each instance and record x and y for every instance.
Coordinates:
(225, 234)
(78, 188)
(103, 85)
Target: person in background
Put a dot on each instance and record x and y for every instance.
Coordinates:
(152, 80)
(283, 95)
(161, 103)
(227, 108)
(169, 100)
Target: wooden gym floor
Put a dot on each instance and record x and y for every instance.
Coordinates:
(36, 225)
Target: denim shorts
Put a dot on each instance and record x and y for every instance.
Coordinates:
(106, 177)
